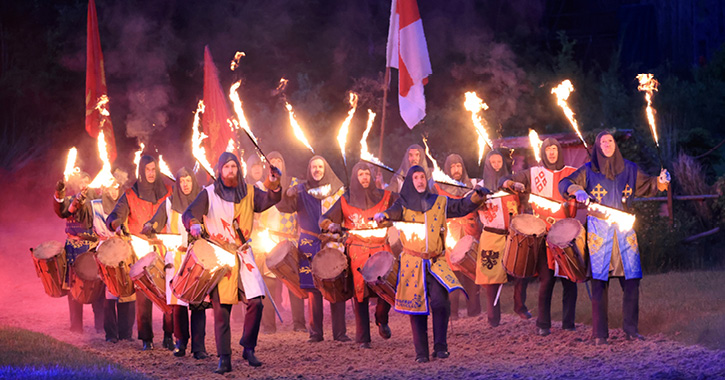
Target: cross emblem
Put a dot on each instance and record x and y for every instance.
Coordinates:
(540, 181)
(599, 192)
(627, 191)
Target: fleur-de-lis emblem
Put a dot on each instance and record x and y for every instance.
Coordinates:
(306, 241)
(490, 212)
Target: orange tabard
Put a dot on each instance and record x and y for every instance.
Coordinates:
(460, 227)
(141, 211)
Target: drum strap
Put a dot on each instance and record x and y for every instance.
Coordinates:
(282, 234)
(422, 255)
(495, 230)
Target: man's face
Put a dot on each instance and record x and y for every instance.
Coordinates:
(85, 181)
(229, 174)
(150, 170)
(552, 153)
(186, 184)
(364, 177)
(113, 191)
(317, 169)
(277, 163)
(256, 172)
(457, 171)
(496, 162)
(607, 144)
(419, 181)
(414, 157)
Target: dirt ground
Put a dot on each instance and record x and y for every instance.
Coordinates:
(510, 351)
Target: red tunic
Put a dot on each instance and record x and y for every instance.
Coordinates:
(460, 227)
(141, 211)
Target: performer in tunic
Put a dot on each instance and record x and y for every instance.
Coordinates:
(468, 225)
(80, 239)
(354, 211)
(612, 181)
(136, 206)
(424, 277)
(495, 216)
(225, 209)
(414, 155)
(313, 198)
(118, 313)
(543, 180)
(168, 219)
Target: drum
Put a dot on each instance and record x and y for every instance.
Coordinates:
(567, 242)
(525, 241)
(380, 273)
(462, 257)
(86, 284)
(51, 266)
(115, 257)
(204, 265)
(331, 275)
(396, 246)
(149, 277)
(283, 261)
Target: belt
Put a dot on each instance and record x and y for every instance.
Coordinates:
(315, 234)
(422, 255)
(497, 231)
(282, 234)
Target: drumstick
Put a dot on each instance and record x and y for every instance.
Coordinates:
(498, 294)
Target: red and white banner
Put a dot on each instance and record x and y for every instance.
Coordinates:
(407, 51)
(214, 122)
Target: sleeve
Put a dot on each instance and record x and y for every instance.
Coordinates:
(573, 182)
(287, 204)
(266, 199)
(646, 185)
(119, 214)
(194, 214)
(521, 176)
(432, 186)
(334, 214)
(457, 208)
(158, 221)
(395, 212)
(61, 208)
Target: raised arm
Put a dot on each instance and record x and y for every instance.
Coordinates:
(119, 214)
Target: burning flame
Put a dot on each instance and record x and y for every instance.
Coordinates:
(235, 61)
(536, 144)
(623, 220)
(170, 241)
(474, 104)
(321, 191)
(364, 153)
(140, 246)
(544, 203)
(197, 137)
(241, 121)
(499, 194)
(137, 156)
(648, 84)
(562, 92)
(345, 127)
(265, 241)
(364, 233)
(411, 231)
(104, 177)
(438, 174)
(223, 256)
(297, 129)
(70, 164)
(450, 240)
(164, 168)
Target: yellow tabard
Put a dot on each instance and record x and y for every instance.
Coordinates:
(411, 295)
(489, 264)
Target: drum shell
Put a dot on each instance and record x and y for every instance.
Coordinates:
(384, 286)
(193, 282)
(52, 273)
(286, 269)
(117, 277)
(572, 258)
(336, 289)
(85, 290)
(151, 281)
(521, 253)
(464, 262)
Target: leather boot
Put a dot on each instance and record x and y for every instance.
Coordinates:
(180, 349)
(248, 354)
(225, 364)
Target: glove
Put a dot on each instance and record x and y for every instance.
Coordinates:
(581, 196)
(59, 186)
(195, 230)
(479, 194)
(664, 177)
(121, 230)
(379, 217)
(275, 173)
(334, 228)
(518, 187)
(147, 229)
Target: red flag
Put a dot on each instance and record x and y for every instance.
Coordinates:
(214, 122)
(408, 52)
(96, 84)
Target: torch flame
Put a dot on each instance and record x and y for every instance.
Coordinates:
(536, 144)
(474, 104)
(137, 156)
(230, 146)
(450, 240)
(170, 241)
(70, 164)
(544, 203)
(265, 241)
(365, 155)
(499, 194)
(197, 137)
(104, 178)
(438, 174)
(140, 246)
(297, 129)
(241, 121)
(562, 92)
(411, 231)
(367, 233)
(164, 168)
(235, 61)
(649, 84)
(623, 220)
(345, 127)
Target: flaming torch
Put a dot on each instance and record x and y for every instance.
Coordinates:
(438, 174)
(345, 127)
(137, 156)
(164, 168)
(536, 144)
(104, 177)
(648, 84)
(197, 137)
(365, 154)
(297, 129)
(562, 92)
(474, 104)
(70, 164)
(235, 62)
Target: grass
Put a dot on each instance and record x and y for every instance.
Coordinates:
(30, 355)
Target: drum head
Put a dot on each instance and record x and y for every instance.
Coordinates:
(378, 265)
(113, 251)
(464, 245)
(528, 224)
(564, 231)
(279, 252)
(85, 267)
(48, 249)
(328, 263)
(138, 267)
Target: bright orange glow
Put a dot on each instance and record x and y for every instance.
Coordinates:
(321, 191)
(137, 156)
(369, 233)
(623, 220)
(164, 168)
(265, 241)
(562, 92)
(345, 127)
(297, 129)
(411, 231)
(197, 138)
(475, 104)
(241, 120)
(170, 241)
(70, 164)
(364, 152)
(535, 144)
(438, 174)
(450, 240)
(140, 246)
(649, 84)
(544, 203)
(104, 178)
(235, 62)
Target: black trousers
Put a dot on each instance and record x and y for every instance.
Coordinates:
(297, 305)
(362, 317)
(144, 318)
(198, 327)
(222, 329)
(493, 313)
(269, 322)
(630, 307)
(118, 318)
(473, 303)
(546, 289)
(441, 309)
(520, 285)
(75, 310)
(337, 311)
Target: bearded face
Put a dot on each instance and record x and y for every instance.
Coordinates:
(364, 177)
(229, 174)
(457, 171)
(317, 169)
(414, 157)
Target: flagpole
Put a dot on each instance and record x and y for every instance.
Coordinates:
(386, 87)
